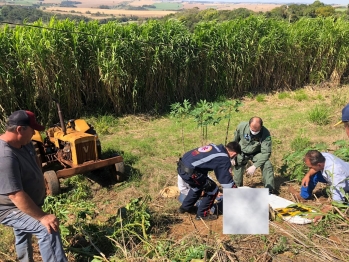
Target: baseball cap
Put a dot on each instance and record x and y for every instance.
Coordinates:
(345, 115)
(24, 118)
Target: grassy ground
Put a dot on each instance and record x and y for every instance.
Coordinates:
(168, 6)
(151, 146)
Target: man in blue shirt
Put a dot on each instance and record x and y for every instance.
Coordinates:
(193, 168)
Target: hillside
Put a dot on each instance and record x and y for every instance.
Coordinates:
(90, 206)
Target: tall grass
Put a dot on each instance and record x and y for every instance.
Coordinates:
(319, 115)
(132, 68)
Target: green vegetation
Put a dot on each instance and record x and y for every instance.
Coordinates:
(111, 68)
(300, 95)
(260, 98)
(18, 14)
(290, 13)
(293, 165)
(284, 95)
(102, 221)
(300, 143)
(319, 115)
(168, 6)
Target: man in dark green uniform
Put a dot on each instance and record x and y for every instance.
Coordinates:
(255, 143)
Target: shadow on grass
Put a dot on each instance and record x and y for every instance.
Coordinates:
(114, 174)
(162, 223)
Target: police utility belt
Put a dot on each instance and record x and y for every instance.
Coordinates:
(248, 156)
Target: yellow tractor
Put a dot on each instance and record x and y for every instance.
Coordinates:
(76, 147)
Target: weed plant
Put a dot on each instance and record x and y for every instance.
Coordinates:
(319, 115)
(300, 95)
(281, 246)
(300, 143)
(260, 98)
(284, 95)
(293, 164)
(343, 150)
(103, 123)
(339, 98)
(319, 97)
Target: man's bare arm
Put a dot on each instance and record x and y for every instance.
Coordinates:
(306, 178)
(24, 203)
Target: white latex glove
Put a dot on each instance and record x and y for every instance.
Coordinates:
(233, 163)
(251, 170)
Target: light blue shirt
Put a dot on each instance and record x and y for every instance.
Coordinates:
(336, 173)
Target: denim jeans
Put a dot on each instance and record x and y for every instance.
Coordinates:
(24, 226)
(306, 192)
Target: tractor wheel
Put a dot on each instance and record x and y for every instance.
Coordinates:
(51, 183)
(118, 172)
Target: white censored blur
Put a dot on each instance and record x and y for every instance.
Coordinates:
(245, 211)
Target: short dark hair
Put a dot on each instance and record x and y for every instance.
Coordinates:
(234, 147)
(315, 157)
(256, 117)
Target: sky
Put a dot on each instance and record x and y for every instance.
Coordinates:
(328, 2)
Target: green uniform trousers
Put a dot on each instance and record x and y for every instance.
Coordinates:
(240, 167)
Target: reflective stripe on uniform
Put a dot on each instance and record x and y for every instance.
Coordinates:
(207, 159)
(227, 185)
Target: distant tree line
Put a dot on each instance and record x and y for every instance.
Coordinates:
(104, 7)
(290, 13)
(130, 7)
(69, 3)
(294, 12)
(18, 14)
(149, 6)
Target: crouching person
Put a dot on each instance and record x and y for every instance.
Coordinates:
(329, 169)
(193, 168)
(184, 188)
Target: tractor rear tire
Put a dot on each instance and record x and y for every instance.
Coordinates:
(51, 183)
(118, 172)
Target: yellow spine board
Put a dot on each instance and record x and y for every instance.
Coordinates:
(293, 210)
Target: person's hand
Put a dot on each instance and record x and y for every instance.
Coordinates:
(305, 181)
(51, 222)
(233, 163)
(251, 170)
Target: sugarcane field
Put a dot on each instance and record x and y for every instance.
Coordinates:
(174, 131)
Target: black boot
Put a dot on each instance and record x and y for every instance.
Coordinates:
(208, 217)
(192, 210)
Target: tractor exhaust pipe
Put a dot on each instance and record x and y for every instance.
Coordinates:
(60, 115)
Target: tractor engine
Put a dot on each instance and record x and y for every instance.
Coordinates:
(71, 149)
(66, 151)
